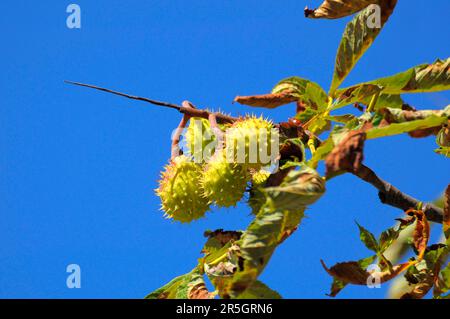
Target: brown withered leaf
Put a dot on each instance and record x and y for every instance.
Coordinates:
(347, 155)
(223, 236)
(351, 272)
(200, 292)
(420, 290)
(408, 114)
(287, 233)
(446, 219)
(335, 9)
(421, 233)
(348, 272)
(269, 101)
(425, 132)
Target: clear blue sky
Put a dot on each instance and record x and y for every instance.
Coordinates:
(78, 167)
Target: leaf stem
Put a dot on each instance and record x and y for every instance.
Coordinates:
(373, 102)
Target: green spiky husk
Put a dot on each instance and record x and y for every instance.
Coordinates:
(257, 198)
(224, 183)
(260, 177)
(247, 131)
(178, 190)
(200, 137)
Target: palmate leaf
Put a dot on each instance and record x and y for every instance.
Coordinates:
(423, 78)
(357, 38)
(335, 9)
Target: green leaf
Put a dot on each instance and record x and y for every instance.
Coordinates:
(278, 217)
(423, 78)
(299, 189)
(357, 38)
(443, 151)
(259, 290)
(167, 291)
(362, 93)
(306, 115)
(179, 288)
(445, 275)
(327, 146)
(304, 91)
(399, 128)
(393, 101)
(355, 94)
(368, 239)
(336, 287)
(344, 119)
(387, 238)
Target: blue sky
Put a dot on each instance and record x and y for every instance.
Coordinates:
(78, 167)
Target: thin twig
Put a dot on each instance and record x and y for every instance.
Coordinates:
(391, 195)
(192, 112)
(175, 149)
(139, 98)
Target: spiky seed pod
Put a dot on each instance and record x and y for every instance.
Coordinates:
(260, 177)
(200, 139)
(180, 195)
(257, 198)
(224, 183)
(249, 141)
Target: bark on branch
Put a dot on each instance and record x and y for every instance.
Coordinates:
(391, 195)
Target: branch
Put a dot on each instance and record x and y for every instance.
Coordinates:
(192, 112)
(391, 195)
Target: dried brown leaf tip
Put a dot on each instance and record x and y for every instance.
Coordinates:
(347, 155)
(348, 272)
(334, 9)
(446, 220)
(223, 236)
(421, 233)
(269, 101)
(200, 292)
(408, 114)
(351, 273)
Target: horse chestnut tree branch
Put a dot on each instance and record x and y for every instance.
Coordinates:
(273, 168)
